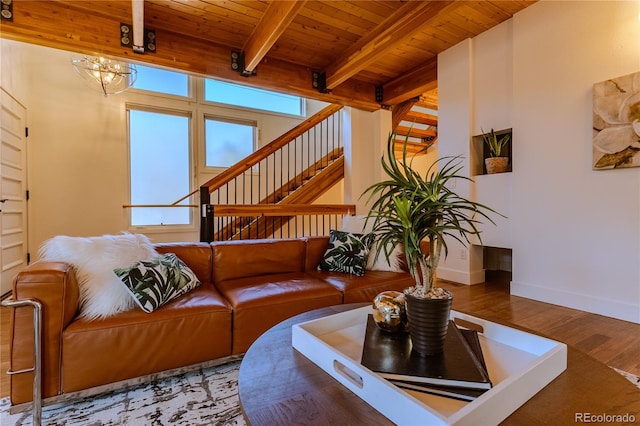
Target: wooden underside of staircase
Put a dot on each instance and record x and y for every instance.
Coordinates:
(422, 128)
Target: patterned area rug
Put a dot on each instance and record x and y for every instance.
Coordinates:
(631, 377)
(202, 397)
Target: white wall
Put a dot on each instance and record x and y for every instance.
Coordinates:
(492, 98)
(366, 134)
(78, 152)
(11, 58)
(581, 243)
(455, 117)
(575, 232)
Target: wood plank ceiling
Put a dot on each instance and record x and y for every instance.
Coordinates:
(371, 54)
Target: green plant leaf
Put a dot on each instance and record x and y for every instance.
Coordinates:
(409, 207)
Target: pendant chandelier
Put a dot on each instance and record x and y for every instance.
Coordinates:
(105, 75)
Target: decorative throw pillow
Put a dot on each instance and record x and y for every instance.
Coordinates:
(360, 224)
(155, 282)
(94, 258)
(381, 263)
(347, 252)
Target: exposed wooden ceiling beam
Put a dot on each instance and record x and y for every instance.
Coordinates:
(275, 20)
(61, 25)
(137, 11)
(359, 45)
(417, 81)
(400, 25)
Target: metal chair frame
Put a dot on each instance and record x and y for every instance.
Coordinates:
(37, 354)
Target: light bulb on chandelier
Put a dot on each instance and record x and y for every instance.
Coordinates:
(106, 75)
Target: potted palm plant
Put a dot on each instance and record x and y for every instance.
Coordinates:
(408, 208)
(496, 163)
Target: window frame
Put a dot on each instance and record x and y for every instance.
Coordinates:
(198, 108)
(192, 88)
(204, 116)
(193, 223)
(201, 90)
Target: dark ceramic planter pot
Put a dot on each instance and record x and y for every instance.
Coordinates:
(428, 323)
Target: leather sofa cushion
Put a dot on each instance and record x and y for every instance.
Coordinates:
(197, 256)
(248, 258)
(194, 328)
(261, 302)
(367, 287)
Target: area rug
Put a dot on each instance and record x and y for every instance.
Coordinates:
(203, 397)
(631, 377)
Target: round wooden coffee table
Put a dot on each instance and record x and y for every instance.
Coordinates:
(279, 386)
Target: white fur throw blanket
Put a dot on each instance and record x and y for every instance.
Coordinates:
(102, 294)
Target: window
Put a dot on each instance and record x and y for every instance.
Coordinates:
(162, 81)
(159, 152)
(233, 94)
(227, 142)
(171, 150)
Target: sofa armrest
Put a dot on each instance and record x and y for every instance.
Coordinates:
(55, 286)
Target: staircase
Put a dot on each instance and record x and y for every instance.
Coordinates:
(413, 118)
(303, 189)
(270, 193)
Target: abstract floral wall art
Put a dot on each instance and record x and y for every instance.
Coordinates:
(616, 123)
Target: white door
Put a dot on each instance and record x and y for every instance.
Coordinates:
(13, 189)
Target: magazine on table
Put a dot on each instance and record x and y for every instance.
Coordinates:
(460, 366)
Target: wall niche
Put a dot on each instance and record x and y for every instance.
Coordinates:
(497, 264)
(480, 150)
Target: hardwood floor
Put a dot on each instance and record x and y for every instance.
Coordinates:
(613, 342)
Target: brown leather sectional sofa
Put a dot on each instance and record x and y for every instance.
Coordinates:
(247, 287)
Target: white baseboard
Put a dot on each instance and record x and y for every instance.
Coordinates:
(610, 308)
(462, 277)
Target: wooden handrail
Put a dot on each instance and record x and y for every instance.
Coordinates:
(247, 210)
(265, 151)
(262, 153)
(128, 206)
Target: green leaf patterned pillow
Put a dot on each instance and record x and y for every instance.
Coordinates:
(152, 283)
(347, 253)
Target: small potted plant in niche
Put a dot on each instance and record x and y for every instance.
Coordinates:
(408, 208)
(496, 163)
